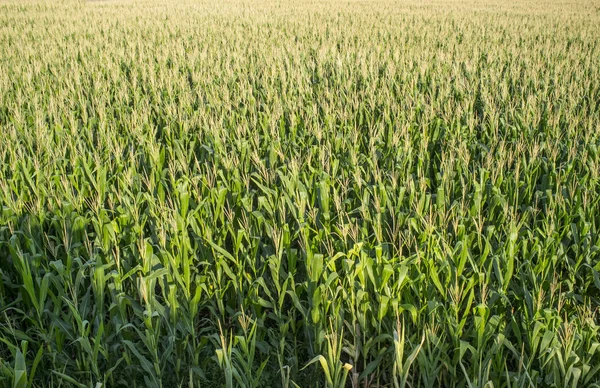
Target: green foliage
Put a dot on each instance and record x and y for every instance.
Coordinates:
(299, 194)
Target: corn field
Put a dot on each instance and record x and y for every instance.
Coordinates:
(336, 193)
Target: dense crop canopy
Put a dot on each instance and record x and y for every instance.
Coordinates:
(301, 193)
